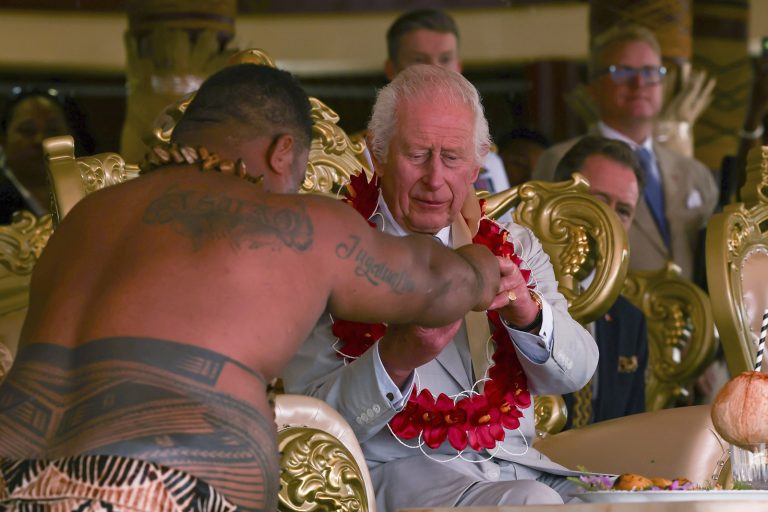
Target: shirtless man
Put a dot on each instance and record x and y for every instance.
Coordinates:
(162, 306)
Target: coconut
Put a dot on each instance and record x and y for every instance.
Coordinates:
(740, 410)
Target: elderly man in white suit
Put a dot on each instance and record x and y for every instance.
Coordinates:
(428, 136)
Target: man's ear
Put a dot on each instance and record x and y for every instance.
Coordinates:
(390, 70)
(378, 167)
(280, 154)
(475, 174)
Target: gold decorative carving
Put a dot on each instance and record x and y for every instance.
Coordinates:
(318, 473)
(104, 170)
(735, 235)
(333, 156)
(681, 340)
(22, 241)
(549, 414)
(578, 232)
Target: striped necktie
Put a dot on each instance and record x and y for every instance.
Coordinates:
(653, 193)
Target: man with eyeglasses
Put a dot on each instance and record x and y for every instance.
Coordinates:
(680, 193)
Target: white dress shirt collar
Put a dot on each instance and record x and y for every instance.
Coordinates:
(608, 132)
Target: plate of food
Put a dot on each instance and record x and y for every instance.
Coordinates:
(645, 496)
(633, 488)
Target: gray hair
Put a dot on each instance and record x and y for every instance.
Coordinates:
(418, 83)
(622, 33)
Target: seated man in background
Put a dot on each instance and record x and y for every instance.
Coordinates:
(680, 193)
(428, 136)
(161, 307)
(618, 387)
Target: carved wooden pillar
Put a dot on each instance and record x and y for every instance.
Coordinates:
(172, 46)
(720, 47)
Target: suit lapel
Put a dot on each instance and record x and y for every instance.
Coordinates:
(478, 331)
(452, 363)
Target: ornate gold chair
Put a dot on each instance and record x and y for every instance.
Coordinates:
(323, 467)
(581, 235)
(737, 266)
(681, 341)
(20, 244)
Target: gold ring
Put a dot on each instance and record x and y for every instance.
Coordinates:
(511, 296)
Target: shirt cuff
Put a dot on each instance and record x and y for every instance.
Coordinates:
(388, 388)
(536, 347)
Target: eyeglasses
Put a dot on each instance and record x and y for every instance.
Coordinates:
(651, 75)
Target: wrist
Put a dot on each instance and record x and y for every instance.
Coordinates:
(390, 356)
(537, 320)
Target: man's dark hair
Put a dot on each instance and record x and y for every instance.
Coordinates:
(589, 145)
(267, 100)
(430, 19)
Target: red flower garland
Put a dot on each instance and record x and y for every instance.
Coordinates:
(477, 420)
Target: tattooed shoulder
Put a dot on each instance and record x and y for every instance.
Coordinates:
(203, 216)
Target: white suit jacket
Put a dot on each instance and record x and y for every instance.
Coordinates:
(353, 389)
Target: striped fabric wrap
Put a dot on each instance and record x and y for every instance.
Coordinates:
(103, 483)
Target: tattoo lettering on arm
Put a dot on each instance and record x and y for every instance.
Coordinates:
(205, 216)
(374, 271)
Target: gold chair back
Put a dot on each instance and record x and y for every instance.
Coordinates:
(73, 178)
(580, 234)
(20, 245)
(737, 266)
(681, 341)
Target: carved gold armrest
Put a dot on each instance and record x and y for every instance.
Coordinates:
(322, 467)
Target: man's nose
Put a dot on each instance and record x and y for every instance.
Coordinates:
(434, 172)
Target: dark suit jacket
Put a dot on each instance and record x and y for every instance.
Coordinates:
(622, 341)
(11, 200)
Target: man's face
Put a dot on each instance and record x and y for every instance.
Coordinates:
(430, 164)
(636, 99)
(34, 119)
(613, 183)
(425, 46)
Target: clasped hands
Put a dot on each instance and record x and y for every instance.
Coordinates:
(406, 347)
(514, 301)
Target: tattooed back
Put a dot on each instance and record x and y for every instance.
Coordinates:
(160, 308)
(179, 255)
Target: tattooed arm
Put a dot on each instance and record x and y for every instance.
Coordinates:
(378, 277)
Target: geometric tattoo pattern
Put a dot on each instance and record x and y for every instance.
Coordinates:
(143, 399)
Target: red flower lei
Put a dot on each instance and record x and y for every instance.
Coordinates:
(477, 420)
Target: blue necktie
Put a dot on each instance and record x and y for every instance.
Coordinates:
(654, 195)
